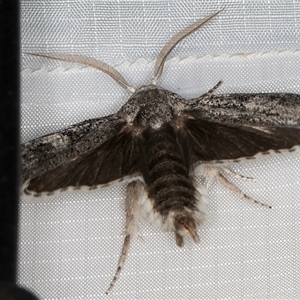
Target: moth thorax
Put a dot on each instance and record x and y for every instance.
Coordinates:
(154, 115)
(184, 223)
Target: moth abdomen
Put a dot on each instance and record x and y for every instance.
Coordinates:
(170, 189)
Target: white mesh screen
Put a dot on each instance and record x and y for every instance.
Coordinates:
(69, 245)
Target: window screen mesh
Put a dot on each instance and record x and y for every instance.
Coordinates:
(69, 245)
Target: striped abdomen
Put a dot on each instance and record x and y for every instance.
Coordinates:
(169, 184)
(174, 199)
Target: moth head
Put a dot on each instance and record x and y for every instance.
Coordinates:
(185, 224)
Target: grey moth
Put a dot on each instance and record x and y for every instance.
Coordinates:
(157, 143)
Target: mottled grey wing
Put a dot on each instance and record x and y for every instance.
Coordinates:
(216, 141)
(271, 109)
(118, 157)
(49, 151)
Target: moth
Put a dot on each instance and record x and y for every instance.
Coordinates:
(157, 143)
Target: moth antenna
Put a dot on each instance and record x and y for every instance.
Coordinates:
(91, 62)
(121, 262)
(162, 56)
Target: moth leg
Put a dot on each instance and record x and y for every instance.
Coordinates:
(194, 103)
(238, 191)
(216, 173)
(134, 192)
(237, 175)
(121, 262)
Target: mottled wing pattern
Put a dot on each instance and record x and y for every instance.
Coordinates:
(118, 157)
(102, 151)
(50, 151)
(271, 109)
(217, 141)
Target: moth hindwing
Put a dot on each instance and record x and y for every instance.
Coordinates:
(157, 143)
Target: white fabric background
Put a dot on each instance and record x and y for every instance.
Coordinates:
(69, 245)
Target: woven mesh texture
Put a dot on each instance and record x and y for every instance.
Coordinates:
(69, 245)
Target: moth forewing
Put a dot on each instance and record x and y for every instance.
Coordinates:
(158, 142)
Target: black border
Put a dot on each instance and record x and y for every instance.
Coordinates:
(9, 149)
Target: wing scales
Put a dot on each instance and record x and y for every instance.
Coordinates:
(49, 151)
(123, 154)
(115, 159)
(214, 141)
